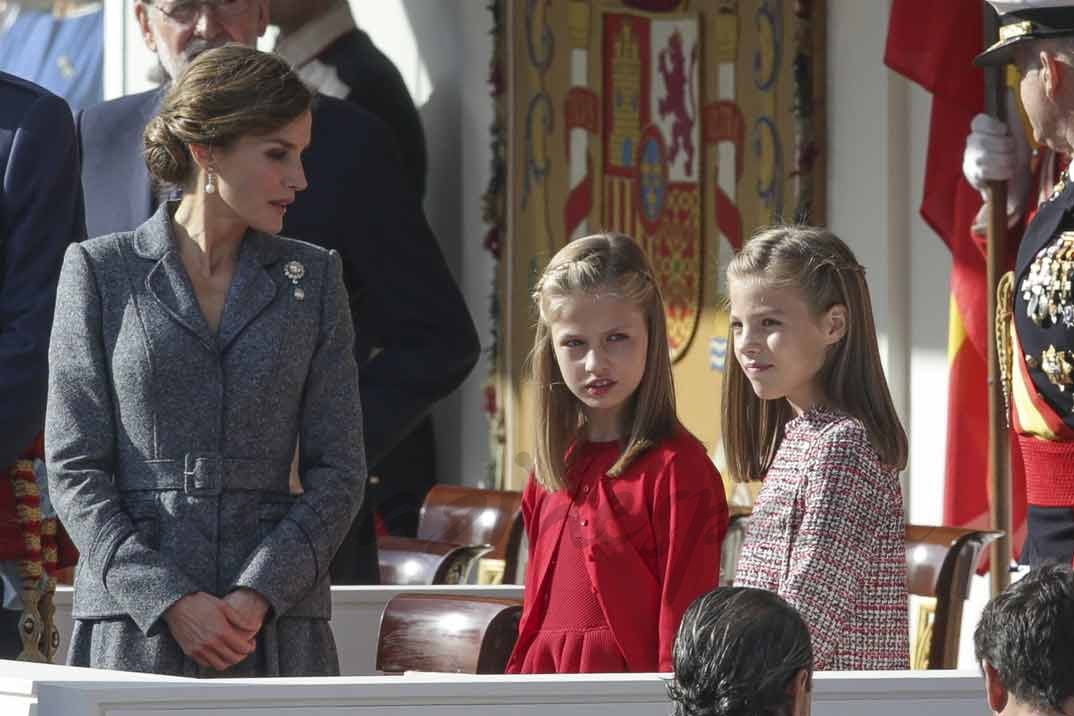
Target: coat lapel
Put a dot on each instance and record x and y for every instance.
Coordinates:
(252, 288)
(168, 281)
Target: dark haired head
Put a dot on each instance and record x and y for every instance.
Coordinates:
(737, 653)
(226, 93)
(1026, 635)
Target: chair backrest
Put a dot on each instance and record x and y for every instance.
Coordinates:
(940, 563)
(468, 515)
(403, 560)
(434, 632)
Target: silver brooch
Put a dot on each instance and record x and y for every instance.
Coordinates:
(294, 271)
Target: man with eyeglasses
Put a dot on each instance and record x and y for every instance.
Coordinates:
(415, 341)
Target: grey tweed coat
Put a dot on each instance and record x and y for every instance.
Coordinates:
(168, 447)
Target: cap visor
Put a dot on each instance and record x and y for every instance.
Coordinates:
(1001, 53)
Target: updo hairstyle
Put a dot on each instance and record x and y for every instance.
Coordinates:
(226, 93)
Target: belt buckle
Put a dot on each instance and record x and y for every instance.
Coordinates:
(203, 474)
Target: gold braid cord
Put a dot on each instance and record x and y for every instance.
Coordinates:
(36, 625)
(1004, 342)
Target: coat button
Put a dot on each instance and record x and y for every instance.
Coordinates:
(585, 522)
(585, 489)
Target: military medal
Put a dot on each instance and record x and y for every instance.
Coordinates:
(1046, 289)
(1058, 367)
(294, 271)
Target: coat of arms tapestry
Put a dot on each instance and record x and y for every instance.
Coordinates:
(687, 124)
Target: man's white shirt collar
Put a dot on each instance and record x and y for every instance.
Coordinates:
(301, 48)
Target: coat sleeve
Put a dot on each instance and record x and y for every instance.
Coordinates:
(413, 314)
(80, 435)
(294, 557)
(41, 210)
(829, 559)
(690, 522)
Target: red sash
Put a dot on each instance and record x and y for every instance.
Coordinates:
(1049, 464)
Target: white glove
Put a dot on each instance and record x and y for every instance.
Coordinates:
(995, 154)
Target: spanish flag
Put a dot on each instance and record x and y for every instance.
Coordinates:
(933, 44)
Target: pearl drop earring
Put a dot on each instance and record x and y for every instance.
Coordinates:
(210, 184)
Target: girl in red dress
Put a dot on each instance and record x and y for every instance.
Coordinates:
(807, 409)
(625, 513)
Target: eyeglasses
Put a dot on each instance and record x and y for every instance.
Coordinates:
(185, 12)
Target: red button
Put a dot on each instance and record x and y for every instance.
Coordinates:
(586, 489)
(585, 522)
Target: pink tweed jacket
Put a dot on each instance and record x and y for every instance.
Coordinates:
(827, 534)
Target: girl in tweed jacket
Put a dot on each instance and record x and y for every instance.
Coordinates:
(807, 410)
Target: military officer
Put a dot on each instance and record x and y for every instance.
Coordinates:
(1036, 302)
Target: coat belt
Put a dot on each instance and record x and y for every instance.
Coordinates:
(206, 475)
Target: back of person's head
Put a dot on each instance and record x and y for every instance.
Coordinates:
(742, 652)
(823, 270)
(226, 93)
(609, 264)
(1025, 642)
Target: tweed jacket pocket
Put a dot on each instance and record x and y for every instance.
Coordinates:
(146, 517)
(272, 510)
(269, 514)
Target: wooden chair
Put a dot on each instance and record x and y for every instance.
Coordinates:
(418, 561)
(433, 632)
(467, 515)
(940, 563)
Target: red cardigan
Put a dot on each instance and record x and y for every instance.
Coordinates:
(653, 537)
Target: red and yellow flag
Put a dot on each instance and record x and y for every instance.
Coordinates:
(933, 44)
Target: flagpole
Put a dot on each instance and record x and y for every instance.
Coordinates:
(999, 482)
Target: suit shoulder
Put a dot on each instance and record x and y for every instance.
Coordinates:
(14, 88)
(837, 428)
(108, 118)
(313, 256)
(18, 96)
(360, 63)
(346, 119)
(684, 447)
(681, 449)
(120, 106)
(301, 248)
(98, 248)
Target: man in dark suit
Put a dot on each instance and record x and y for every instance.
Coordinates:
(40, 214)
(321, 41)
(415, 339)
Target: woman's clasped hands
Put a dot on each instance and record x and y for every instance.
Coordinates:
(214, 632)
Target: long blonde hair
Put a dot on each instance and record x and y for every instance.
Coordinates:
(612, 263)
(824, 269)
